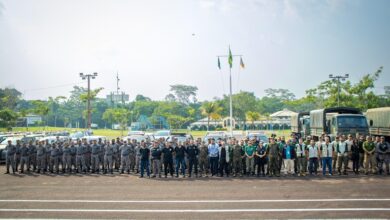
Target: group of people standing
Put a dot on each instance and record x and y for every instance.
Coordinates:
(197, 158)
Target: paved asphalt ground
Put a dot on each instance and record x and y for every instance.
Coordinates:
(127, 196)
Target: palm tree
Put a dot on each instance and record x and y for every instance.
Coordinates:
(41, 108)
(210, 109)
(252, 117)
(54, 104)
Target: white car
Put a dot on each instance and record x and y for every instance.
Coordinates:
(135, 133)
(95, 138)
(258, 134)
(4, 143)
(52, 139)
(162, 134)
(139, 138)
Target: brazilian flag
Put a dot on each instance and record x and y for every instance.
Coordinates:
(230, 58)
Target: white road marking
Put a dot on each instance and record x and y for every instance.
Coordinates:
(195, 201)
(196, 210)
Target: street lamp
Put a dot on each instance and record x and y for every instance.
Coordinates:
(88, 77)
(338, 78)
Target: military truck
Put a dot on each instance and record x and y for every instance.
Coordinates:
(300, 124)
(337, 121)
(379, 121)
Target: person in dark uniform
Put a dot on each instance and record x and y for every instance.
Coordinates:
(24, 157)
(192, 155)
(156, 159)
(179, 156)
(168, 159)
(32, 162)
(145, 153)
(261, 159)
(223, 159)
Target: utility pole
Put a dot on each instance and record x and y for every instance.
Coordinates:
(338, 78)
(88, 77)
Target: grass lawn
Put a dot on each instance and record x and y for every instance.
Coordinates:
(117, 133)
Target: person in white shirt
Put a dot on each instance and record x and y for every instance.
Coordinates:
(326, 150)
(313, 157)
(342, 155)
(301, 151)
(335, 144)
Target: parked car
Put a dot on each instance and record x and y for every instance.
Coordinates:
(238, 135)
(180, 137)
(95, 138)
(4, 143)
(135, 133)
(260, 136)
(139, 138)
(162, 134)
(216, 135)
(85, 135)
(53, 139)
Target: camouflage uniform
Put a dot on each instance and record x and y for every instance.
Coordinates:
(33, 157)
(24, 157)
(10, 157)
(238, 153)
(273, 152)
(203, 160)
(41, 158)
(108, 155)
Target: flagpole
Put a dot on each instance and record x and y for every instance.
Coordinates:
(230, 61)
(231, 104)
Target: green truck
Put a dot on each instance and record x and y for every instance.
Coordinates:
(379, 121)
(300, 124)
(337, 121)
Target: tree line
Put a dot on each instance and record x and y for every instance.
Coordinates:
(181, 106)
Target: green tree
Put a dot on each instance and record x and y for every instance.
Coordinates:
(358, 95)
(364, 96)
(282, 94)
(54, 105)
(117, 115)
(139, 98)
(183, 93)
(211, 110)
(242, 103)
(91, 96)
(9, 98)
(7, 118)
(41, 108)
(176, 121)
(252, 117)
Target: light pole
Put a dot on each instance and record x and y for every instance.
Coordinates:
(338, 78)
(88, 77)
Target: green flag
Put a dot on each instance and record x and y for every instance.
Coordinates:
(230, 59)
(219, 64)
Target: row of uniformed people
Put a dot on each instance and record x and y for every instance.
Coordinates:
(220, 158)
(336, 154)
(300, 157)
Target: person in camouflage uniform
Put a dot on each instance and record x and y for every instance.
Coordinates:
(203, 159)
(369, 155)
(237, 156)
(273, 152)
(33, 156)
(41, 157)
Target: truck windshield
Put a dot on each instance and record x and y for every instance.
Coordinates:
(351, 122)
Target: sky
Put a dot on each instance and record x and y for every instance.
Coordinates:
(151, 44)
